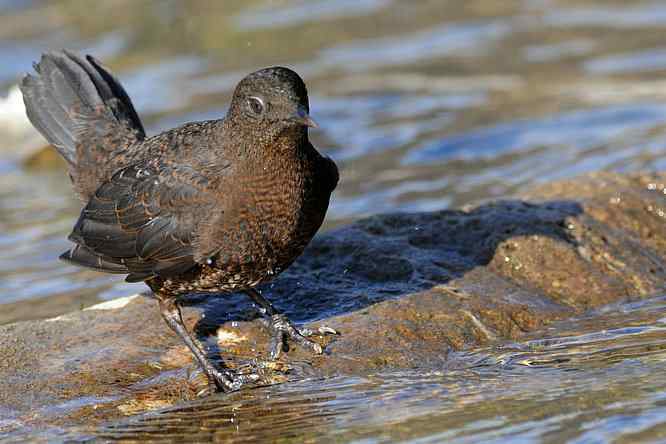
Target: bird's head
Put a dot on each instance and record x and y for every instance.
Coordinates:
(272, 100)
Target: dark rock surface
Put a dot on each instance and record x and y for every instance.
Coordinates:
(404, 290)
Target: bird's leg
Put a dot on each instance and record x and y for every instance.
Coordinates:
(224, 379)
(283, 329)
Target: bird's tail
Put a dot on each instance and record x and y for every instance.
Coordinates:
(76, 103)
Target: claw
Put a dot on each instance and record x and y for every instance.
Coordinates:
(324, 330)
(320, 331)
(228, 381)
(283, 330)
(213, 380)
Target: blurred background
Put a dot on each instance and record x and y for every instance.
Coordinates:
(424, 104)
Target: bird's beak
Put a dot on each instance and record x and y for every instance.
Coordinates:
(301, 116)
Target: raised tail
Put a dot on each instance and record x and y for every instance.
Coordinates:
(82, 110)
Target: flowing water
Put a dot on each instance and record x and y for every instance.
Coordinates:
(424, 105)
(584, 385)
(590, 380)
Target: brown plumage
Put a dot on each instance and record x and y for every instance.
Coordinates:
(214, 207)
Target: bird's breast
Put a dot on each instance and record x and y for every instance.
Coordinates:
(284, 211)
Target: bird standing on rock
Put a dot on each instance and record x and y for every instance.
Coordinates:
(209, 207)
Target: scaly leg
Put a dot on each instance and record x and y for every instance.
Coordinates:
(283, 329)
(224, 379)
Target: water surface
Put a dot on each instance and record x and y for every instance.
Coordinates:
(424, 105)
(597, 378)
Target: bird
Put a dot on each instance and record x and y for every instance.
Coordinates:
(210, 207)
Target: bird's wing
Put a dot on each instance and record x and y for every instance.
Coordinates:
(145, 219)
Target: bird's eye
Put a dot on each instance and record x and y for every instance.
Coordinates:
(256, 105)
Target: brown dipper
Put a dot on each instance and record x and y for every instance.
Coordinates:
(209, 207)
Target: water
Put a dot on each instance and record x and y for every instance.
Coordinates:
(424, 105)
(594, 379)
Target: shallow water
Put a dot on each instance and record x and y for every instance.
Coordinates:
(424, 105)
(593, 379)
(585, 385)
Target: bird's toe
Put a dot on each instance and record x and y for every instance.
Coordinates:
(284, 330)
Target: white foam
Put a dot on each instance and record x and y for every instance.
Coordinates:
(113, 303)
(108, 305)
(12, 113)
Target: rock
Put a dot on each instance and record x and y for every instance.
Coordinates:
(404, 290)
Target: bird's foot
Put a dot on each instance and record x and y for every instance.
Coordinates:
(256, 373)
(283, 330)
(226, 380)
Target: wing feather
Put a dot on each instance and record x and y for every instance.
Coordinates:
(142, 220)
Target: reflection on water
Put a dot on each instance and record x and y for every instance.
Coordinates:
(446, 40)
(298, 12)
(629, 16)
(424, 105)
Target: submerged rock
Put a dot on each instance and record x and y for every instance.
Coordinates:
(404, 290)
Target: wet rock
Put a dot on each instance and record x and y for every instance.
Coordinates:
(404, 290)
